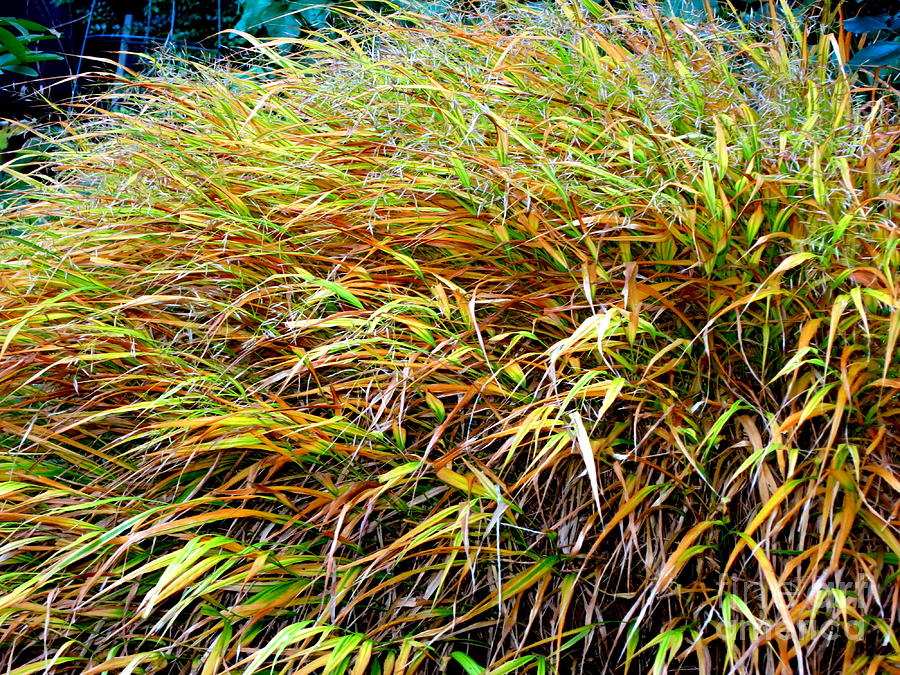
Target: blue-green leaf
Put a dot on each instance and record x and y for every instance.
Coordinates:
(13, 45)
(26, 26)
(689, 10)
(28, 71)
(283, 18)
(881, 54)
(312, 13)
(866, 24)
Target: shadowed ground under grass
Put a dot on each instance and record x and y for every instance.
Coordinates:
(554, 345)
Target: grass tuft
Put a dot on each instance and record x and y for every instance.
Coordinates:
(559, 343)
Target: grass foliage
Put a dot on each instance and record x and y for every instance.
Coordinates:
(554, 344)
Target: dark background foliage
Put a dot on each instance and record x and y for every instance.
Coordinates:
(94, 28)
(90, 29)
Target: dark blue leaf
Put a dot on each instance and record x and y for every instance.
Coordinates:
(881, 54)
(867, 24)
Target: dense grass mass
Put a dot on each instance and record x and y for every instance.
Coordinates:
(556, 344)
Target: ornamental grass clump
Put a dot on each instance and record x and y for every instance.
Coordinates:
(561, 343)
